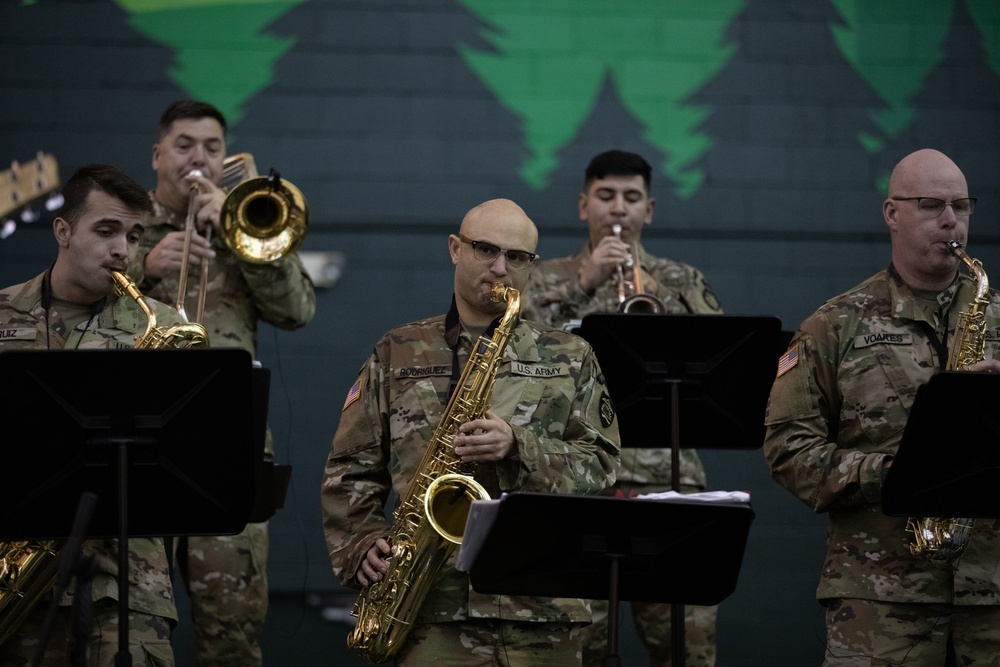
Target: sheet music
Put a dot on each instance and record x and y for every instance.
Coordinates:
(704, 496)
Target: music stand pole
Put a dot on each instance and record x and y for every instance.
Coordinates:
(677, 639)
(611, 657)
(124, 656)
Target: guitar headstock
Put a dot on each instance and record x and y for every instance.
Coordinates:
(26, 182)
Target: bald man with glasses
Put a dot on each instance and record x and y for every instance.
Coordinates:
(550, 428)
(835, 418)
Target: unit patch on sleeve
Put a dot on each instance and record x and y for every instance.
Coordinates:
(607, 411)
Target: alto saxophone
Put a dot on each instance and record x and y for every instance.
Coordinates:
(186, 335)
(429, 523)
(28, 568)
(941, 539)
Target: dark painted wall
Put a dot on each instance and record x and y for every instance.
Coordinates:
(373, 112)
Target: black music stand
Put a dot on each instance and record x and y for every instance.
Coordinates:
(272, 479)
(159, 436)
(606, 550)
(715, 370)
(948, 462)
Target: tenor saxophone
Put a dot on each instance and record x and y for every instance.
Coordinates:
(28, 568)
(429, 523)
(941, 539)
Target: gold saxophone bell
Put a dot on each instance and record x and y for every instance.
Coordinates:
(264, 219)
(631, 298)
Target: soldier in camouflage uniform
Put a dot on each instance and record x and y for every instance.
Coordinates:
(551, 428)
(835, 419)
(563, 291)
(226, 576)
(72, 305)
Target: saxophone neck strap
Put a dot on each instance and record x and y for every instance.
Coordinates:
(940, 345)
(453, 337)
(95, 308)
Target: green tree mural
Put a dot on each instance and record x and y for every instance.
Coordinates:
(895, 44)
(551, 58)
(221, 54)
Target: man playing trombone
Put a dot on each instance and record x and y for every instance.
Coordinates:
(226, 577)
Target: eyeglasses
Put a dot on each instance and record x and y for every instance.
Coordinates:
(487, 252)
(932, 207)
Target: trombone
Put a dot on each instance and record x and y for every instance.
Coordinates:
(189, 232)
(263, 219)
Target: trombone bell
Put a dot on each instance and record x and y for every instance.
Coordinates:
(264, 219)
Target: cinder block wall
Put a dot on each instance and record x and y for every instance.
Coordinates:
(387, 116)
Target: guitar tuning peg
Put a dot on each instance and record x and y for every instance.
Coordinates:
(29, 215)
(7, 228)
(54, 202)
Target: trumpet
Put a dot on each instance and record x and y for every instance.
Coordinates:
(631, 298)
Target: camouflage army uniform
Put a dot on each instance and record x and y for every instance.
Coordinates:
(553, 296)
(226, 576)
(550, 390)
(151, 600)
(835, 417)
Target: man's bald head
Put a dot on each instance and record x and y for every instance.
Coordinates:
(501, 217)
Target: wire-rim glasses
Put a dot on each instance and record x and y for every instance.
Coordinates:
(932, 206)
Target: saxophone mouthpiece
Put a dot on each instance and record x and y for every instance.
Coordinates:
(954, 246)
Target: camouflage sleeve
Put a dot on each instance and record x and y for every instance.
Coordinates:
(803, 416)
(554, 298)
(585, 459)
(282, 292)
(683, 288)
(356, 480)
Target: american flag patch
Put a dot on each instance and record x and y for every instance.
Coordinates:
(788, 360)
(353, 394)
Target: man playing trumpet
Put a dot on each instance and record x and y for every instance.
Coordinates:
(226, 577)
(616, 206)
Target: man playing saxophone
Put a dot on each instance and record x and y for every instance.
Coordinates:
(226, 576)
(550, 428)
(72, 305)
(835, 418)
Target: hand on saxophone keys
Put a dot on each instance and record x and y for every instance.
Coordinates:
(374, 564)
(488, 438)
(986, 366)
